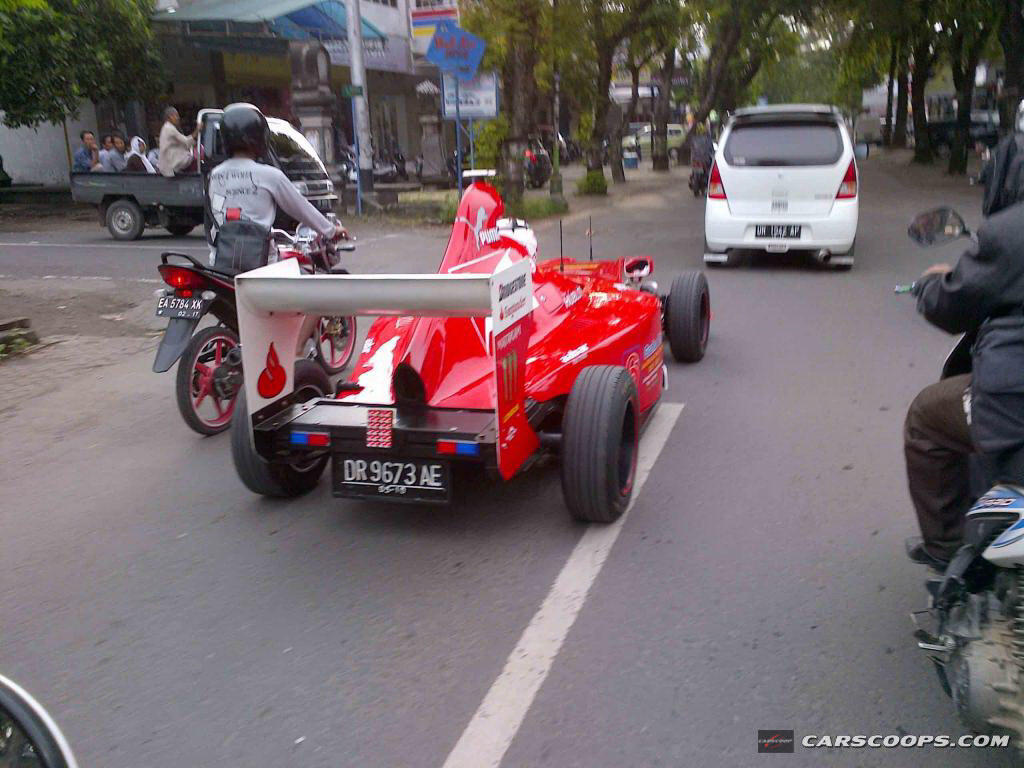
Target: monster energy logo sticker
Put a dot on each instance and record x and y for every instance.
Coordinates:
(509, 378)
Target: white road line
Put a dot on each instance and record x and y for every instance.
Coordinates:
(499, 716)
(94, 246)
(102, 278)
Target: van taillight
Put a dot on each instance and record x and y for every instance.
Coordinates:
(848, 188)
(716, 191)
(181, 278)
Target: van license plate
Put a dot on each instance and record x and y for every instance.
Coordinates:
(776, 231)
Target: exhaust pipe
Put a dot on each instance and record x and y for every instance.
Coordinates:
(823, 256)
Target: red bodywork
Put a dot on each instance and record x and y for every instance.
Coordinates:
(584, 315)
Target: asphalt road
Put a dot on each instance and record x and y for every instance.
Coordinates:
(169, 618)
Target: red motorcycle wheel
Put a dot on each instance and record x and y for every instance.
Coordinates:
(335, 343)
(205, 400)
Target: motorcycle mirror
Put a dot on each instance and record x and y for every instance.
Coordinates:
(937, 227)
(28, 735)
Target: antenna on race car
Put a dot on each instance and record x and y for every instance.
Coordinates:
(561, 255)
(590, 234)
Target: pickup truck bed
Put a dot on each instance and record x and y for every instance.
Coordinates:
(130, 202)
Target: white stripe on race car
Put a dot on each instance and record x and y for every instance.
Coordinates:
(498, 718)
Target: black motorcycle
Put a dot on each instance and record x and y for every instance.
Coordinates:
(28, 734)
(536, 164)
(209, 373)
(973, 628)
(698, 179)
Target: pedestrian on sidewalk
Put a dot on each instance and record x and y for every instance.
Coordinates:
(176, 149)
(87, 156)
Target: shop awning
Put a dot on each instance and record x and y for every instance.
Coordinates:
(292, 19)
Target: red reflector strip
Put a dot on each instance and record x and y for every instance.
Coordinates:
(312, 439)
(379, 424)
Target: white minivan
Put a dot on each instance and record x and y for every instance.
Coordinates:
(784, 179)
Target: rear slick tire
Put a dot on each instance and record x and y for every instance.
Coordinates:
(277, 479)
(688, 317)
(600, 442)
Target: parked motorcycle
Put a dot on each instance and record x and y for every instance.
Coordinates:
(385, 170)
(209, 372)
(698, 180)
(536, 164)
(973, 628)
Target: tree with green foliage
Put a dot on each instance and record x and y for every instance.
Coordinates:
(741, 37)
(55, 53)
(517, 33)
(604, 27)
(1011, 38)
(968, 29)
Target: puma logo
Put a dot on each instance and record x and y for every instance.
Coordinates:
(480, 235)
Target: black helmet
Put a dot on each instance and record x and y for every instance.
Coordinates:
(244, 128)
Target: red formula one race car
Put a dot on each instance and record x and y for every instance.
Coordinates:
(496, 360)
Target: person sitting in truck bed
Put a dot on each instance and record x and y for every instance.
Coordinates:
(112, 160)
(136, 160)
(176, 149)
(87, 156)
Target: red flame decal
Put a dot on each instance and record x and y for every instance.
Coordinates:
(273, 377)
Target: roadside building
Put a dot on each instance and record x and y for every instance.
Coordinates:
(221, 51)
(39, 156)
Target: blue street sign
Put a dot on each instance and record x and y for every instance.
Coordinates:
(455, 50)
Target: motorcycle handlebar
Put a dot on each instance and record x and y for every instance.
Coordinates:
(280, 234)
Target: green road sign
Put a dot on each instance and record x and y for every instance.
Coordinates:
(349, 91)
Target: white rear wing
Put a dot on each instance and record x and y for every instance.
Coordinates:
(274, 302)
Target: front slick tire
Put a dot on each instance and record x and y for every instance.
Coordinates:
(278, 479)
(600, 440)
(688, 317)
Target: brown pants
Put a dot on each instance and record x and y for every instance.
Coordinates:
(937, 442)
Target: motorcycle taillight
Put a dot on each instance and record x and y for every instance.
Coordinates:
(181, 278)
(529, 155)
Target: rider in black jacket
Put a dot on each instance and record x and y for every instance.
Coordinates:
(982, 411)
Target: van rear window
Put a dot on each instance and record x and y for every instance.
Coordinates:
(784, 143)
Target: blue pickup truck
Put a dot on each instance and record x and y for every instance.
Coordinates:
(128, 203)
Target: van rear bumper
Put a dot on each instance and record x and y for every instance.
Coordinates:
(835, 232)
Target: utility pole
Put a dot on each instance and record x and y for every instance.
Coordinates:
(360, 110)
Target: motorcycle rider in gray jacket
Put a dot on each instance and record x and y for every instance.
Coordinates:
(983, 411)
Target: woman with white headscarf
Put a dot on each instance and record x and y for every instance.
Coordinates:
(136, 160)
